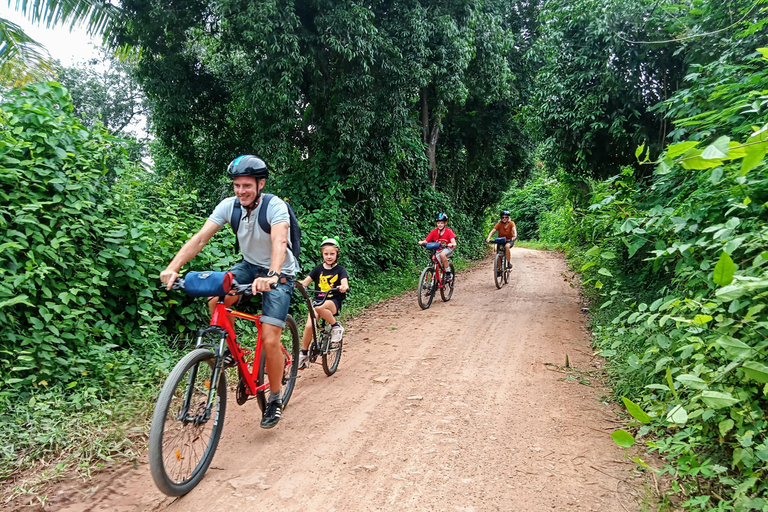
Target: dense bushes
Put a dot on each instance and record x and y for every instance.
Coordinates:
(79, 252)
(678, 267)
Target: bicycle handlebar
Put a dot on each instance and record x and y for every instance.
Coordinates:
(237, 288)
(323, 294)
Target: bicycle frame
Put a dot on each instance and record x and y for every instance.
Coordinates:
(221, 325)
(439, 271)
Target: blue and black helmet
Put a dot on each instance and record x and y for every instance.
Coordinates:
(504, 213)
(248, 165)
(441, 216)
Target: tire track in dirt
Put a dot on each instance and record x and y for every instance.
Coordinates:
(449, 409)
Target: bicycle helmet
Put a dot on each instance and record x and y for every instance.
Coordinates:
(504, 213)
(330, 241)
(248, 165)
(441, 216)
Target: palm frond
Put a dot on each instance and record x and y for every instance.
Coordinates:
(97, 16)
(22, 60)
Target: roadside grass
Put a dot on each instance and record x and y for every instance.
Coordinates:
(540, 245)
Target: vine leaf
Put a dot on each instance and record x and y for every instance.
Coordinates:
(635, 410)
(724, 270)
(623, 438)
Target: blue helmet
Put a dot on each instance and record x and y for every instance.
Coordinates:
(441, 216)
(248, 165)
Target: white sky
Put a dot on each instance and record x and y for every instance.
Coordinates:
(68, 47)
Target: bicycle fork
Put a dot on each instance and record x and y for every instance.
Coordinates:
(218, 368)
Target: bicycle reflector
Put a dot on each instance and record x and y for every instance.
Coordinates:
(207, 284)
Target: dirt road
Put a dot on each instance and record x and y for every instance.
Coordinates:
(448, 409)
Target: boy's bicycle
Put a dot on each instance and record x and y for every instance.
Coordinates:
(329, 351)
(433, 278)
(189, 414)
(501, 270)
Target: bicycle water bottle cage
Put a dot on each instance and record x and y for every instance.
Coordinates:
(500, 240)
(208, 284)
(433, 246)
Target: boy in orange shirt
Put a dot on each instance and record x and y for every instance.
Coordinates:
(507, 229)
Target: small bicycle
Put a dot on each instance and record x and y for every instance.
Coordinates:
(501, 270)
(189, 414)
(433, 278)
(329, 351)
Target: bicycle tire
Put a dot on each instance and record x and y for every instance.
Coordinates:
(332, 355)
(181, 477)
(290, 340)
(507, 270)
(446, 292)
(427, 284)
(498, 271)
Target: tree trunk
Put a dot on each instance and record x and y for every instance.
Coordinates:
(429, 135)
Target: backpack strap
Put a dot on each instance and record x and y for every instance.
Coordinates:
(234, 222)
(263, 224)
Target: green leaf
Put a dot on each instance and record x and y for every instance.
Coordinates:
(717, 399)
(607, 255)
(729, 293)
(702, 319)
(623, 438)
(678, 415)
(605, 272)
(691, 381)
(756, 371)
(733, 347)
(594, 251)
(754, 155)
(725, 426)
(763, 51)
(680, 148)
(635, 411)
(639, 150)
(718, 149)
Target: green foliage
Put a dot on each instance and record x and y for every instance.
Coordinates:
(677, 266)
(80, 252)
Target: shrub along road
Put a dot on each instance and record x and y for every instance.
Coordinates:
(452, 408)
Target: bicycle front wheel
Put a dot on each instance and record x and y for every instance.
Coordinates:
(507, 270)
(498, 270)
(290, 341)
(332, 355)
(427, 283)
(447, 290)
(184, 433)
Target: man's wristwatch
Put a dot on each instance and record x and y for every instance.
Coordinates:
(272, 273)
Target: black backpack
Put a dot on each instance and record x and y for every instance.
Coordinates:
(294, 244)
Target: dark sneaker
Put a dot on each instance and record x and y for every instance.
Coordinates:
(229, 361)
(448, 276)
(272, 414)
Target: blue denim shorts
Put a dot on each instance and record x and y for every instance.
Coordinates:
(275, 302)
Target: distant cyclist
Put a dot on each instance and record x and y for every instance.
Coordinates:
(447, 239)
(267, 260)
(329, 274)
(507, 229)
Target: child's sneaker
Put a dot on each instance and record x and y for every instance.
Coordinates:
(337, 333)
(303, 363)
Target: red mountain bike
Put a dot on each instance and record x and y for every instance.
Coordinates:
(433, 278)
(189, 414)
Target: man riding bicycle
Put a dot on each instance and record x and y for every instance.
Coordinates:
(267, 261)
(507, 229)
(447, 239)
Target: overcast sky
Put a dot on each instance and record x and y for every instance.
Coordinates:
(68, 47)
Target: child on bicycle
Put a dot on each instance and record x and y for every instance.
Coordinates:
(329, 274)
(447, 239)
(508, 230)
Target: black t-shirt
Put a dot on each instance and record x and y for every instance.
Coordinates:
(325, 279)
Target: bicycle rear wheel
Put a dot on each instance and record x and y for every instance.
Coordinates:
(427, 284)
(183, 439)
(498, 270)
(332, 355)
(447, 290)
(290, 341)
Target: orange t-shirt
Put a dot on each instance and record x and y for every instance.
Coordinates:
(505, 230)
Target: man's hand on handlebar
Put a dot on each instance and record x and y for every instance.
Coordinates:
(168, 277)
(264, 284)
